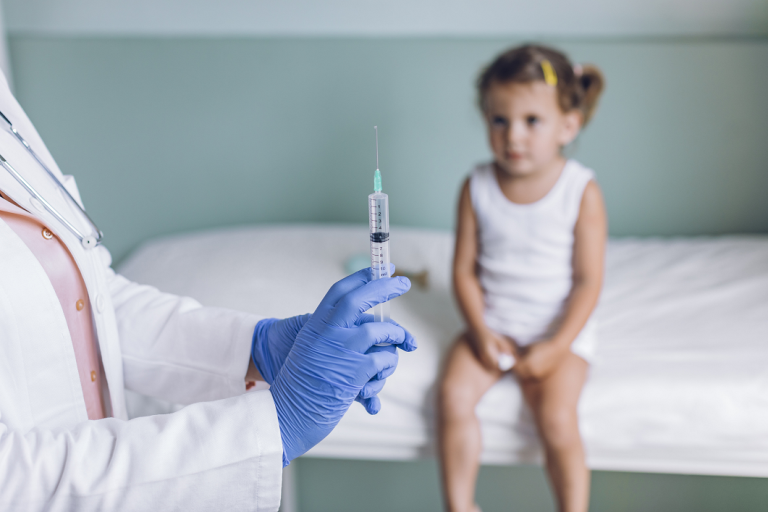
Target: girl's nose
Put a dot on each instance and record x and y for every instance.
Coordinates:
(515, 133)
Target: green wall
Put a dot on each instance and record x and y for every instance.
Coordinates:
(176, 134)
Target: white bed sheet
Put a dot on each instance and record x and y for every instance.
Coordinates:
(679, 382)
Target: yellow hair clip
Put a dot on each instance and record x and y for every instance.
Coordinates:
(549, 73)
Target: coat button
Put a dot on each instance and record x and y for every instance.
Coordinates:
(88, 242)
(47, 234)
(99, 303)
(93, 376)
(80, 305)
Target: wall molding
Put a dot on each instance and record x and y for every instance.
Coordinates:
(391, 18)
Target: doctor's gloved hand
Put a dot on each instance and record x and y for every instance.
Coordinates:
(272, 340)
(334, 358)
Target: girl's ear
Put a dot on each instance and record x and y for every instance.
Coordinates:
(571, 127)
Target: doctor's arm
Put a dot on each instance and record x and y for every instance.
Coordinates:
(177, 350)
(221, 455)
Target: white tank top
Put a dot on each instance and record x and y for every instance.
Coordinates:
(525, 255)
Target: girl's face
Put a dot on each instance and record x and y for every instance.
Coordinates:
(526, 126)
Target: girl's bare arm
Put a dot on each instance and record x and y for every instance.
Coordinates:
(591, 232)
(469, 293)
(465, 282)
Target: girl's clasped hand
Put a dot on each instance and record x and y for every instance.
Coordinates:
(539, 360)
(534, 361)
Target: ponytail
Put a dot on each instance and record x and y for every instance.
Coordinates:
(591, 83)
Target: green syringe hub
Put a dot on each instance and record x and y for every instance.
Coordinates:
(377, 181)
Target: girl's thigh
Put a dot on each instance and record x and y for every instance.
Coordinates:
(464, 378)
(559, 392)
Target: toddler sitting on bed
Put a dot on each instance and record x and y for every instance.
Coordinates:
(528, 270)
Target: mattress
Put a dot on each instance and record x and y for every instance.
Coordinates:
(679, 382)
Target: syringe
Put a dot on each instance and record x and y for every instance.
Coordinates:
(378, 221)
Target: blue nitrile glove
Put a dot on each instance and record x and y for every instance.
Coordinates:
(272, 340)
(334, 357)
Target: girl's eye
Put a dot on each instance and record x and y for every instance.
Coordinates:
(499, 122)
(532, 120)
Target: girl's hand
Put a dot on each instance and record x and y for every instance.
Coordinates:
(488, 346)
(538, 360)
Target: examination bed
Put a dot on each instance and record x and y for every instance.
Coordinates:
(679, 383)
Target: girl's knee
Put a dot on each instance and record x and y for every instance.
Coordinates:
(559, 427)
(463, 382)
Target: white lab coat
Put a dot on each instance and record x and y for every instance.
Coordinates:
(221, 453)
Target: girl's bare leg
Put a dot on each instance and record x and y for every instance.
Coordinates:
(554, 401)
(462, 385)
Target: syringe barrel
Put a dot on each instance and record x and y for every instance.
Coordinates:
(378, 220)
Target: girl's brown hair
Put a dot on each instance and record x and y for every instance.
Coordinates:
(577, 89)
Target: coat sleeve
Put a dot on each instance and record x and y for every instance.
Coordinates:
(175, 349)
(221, 455)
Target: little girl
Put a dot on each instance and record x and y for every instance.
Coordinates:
(527, 271)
